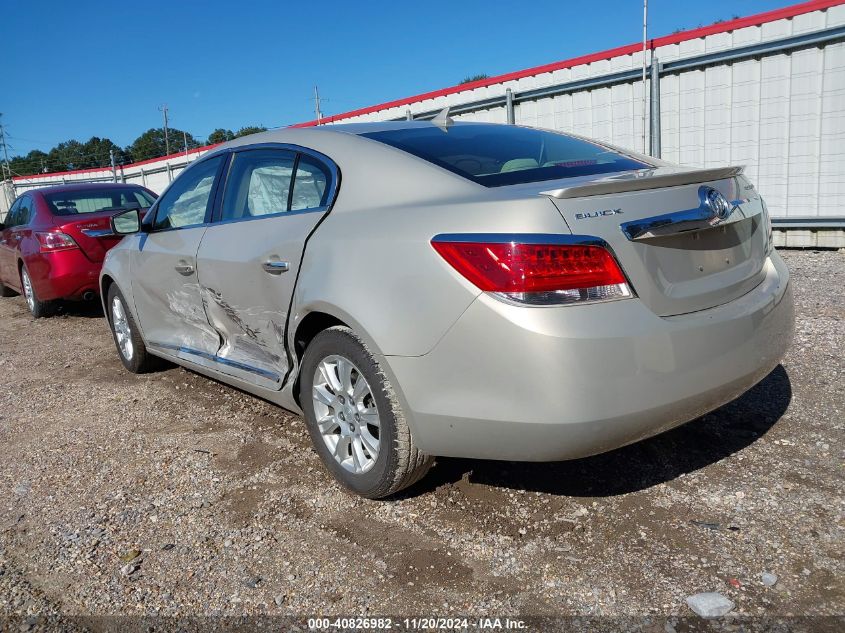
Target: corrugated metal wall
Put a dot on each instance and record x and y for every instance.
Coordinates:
(782, 114)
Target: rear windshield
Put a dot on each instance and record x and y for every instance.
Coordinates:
(496, 155)
(94, 200)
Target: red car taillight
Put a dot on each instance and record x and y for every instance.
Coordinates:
(55, 241)
(539, 274)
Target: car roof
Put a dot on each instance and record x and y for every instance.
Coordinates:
(81, 186)
(294, 135)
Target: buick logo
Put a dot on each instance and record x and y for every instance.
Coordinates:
(718, 204)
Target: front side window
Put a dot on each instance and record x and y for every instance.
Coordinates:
(188, 199)
(496, 155)
(258, 184)
(81, 201)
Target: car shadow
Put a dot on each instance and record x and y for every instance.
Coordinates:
(639, 466)
(86, 309)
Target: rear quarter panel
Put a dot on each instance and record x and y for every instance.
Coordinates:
(370, 263)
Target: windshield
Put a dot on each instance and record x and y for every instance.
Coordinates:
(496, 155)
(94, 200)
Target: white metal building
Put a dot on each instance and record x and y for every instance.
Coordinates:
(766, 91)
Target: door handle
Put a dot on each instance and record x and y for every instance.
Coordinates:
(275, 267)
(184, 269)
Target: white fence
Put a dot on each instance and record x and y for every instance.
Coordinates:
(765, 91)
(155, 174)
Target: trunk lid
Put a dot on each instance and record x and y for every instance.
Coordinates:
(91, 231)
(678, 253)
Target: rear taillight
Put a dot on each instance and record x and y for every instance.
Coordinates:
(55, 241)
(542, 273)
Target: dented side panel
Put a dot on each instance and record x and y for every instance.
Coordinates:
(169, 303)
(247, 304)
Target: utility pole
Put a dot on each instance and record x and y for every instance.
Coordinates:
(7, 171)
(317, 106)
(645, 44)
(185, 139)
(113, 166)
(163, 109)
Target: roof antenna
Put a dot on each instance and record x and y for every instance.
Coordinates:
(443, 120)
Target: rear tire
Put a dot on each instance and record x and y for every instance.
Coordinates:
(127, 338)
(38, 308)
(356, 423)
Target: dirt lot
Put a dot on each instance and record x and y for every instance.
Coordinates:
(172, 494)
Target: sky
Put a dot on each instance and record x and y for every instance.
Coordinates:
(77, 69)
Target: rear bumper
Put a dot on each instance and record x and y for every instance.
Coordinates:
(63, 275)
(544, 384)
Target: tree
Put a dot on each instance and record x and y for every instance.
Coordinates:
(250, 129)
(151, 144)
(33, 163)
(66, 156)
(97, 152)
(471, 78)
(220, 135)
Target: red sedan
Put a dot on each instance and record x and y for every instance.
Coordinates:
(53, 240)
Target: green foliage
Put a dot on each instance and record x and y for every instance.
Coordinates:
(471, 78)
(72, 154)
(220, 136)
(151, 144)
(33, 163)
(250, 129)
(67, 156)
(97, 150)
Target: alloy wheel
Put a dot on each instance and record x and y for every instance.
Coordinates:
(27, 290)
(346, 413)
(121, 329)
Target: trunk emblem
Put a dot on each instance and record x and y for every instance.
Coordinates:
(597, 214)
(718, 204)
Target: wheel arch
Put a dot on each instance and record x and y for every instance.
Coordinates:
(313, 319)
(106, 282)
(319, 316)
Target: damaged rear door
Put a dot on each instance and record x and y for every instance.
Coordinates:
(249, 256)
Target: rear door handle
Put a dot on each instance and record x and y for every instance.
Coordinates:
(185, 269)
(275, 267)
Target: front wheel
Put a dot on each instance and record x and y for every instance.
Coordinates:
(355, 419)
(130, 346)
(38, 308)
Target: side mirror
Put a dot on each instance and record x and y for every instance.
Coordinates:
(126, 223)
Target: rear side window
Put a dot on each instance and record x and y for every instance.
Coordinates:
(187, 201)
(310, 187)
(258, 184)
(496, 155)
(81, 201)
(24, 212)
(269, 181)
(13, 216)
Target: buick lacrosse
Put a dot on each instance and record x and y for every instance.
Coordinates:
(421, 289)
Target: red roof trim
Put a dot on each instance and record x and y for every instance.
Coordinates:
(121, 167)
(683, 36)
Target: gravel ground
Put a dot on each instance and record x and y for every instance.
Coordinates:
(172, 494)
